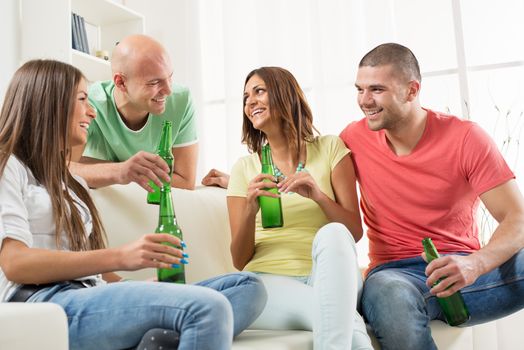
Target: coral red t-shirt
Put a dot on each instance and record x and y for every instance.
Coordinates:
(432, 192)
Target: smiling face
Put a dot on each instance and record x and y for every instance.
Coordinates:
(83, 114)
(383, 97)
(256, 103)
(149, 85)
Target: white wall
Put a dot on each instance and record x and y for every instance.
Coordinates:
(10, 38)
(174, 23)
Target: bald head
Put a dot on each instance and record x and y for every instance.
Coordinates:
(136, 52)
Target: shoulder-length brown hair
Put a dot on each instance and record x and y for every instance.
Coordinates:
(34, 126)
(287, 102)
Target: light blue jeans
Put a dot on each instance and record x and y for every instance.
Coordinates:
(116, 316)
(326, 301)
(397, 304)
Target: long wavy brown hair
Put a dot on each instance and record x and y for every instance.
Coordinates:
(287, 102)
(34, 126)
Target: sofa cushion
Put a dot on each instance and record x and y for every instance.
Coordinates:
(274, 340)
(201, 214)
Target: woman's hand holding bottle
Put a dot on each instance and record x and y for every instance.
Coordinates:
(148, 251)
(302, 183)
(259, 186)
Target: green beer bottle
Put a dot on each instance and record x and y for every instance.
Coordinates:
(167, 224)
(271, 208)
(163, 150)
(454, 308)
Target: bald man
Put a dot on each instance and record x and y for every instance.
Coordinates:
(131, 107)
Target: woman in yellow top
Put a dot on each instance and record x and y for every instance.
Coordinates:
(309, 265)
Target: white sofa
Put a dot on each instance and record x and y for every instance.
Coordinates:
(33, 326)
(202, 215)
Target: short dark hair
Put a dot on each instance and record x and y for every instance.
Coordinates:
(403, 60)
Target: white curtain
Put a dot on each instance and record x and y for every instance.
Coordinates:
(470, 52)
(318, 41)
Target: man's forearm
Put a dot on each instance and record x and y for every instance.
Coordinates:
(179, 181)
(96, 174)
(507, 240)
(184, 171)
(506, 204)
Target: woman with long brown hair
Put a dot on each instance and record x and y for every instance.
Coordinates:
(309, 264)
(52, 246)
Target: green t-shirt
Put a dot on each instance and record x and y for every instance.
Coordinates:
(110, 139)
(287, 250)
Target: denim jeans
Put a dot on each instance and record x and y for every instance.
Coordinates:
(116, 316)
(326, 301)
(397, 304)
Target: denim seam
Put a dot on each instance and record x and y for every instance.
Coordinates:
(244, 278)
(148, 307)
(492, 285)
(469, 289)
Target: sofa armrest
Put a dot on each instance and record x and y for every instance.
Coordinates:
(28, 326)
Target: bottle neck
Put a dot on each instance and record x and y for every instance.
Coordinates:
(266, 160)
(429, 249)
(164, 146)
(166, 214)
(265, 156)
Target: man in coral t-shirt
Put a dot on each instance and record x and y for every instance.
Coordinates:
(422, 174)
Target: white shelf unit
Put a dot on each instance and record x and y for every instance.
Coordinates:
(46, 31)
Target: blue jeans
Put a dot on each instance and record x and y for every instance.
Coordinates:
(116, 316)
(397, 304)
